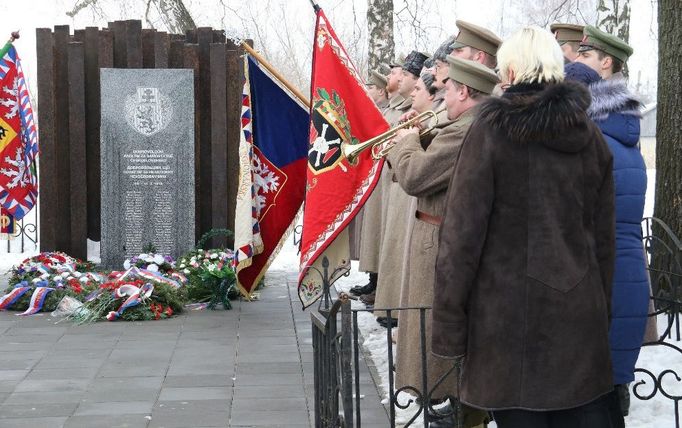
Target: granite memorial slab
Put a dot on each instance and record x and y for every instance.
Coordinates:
(147, 159)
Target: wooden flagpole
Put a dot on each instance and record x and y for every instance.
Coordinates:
(275, 73)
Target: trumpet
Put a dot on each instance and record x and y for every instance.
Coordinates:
(383, 143)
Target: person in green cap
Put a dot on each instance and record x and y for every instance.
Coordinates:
(604, 53)
(394, 78)
(476, 43)
(569, 37)
(425, 174)
(376, 87)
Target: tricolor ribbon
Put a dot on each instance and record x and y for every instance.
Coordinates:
(136, 295)
(37, 300)
(150, 275)
(11, 298)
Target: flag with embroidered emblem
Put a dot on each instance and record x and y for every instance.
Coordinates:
(7, 224)
(272, 156)
(341, 112)
(18, 138)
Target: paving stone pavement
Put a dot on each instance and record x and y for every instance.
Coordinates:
(248, 367)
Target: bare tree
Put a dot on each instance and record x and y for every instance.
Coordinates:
(613, 16)
(521, 13)
(668, 206)
(173, 14)
(381, 49)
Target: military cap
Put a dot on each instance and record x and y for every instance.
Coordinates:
(567, 32)
(594, 38)
(476, 37)
(377, 79)
(472, 74)
(414, 62)
(444, 49)
(397, 62)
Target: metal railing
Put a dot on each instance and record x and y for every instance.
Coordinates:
(336, 362)
(25, 234)
(663, 251)
(424, 394)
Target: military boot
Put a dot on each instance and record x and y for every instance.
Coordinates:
(361, 290)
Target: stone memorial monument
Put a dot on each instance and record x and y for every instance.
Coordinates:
(147, 159)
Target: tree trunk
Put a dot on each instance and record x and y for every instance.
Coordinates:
(380, 30)
(175, 16)
(613, 16)
(668, 205)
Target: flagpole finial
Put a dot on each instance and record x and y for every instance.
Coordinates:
(315, 5)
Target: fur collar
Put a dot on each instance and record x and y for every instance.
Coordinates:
(612, 96)
(552, 113)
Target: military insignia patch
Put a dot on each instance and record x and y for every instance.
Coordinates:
(329, 128)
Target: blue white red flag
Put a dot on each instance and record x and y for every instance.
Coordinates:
(18, 139)
(273, 154)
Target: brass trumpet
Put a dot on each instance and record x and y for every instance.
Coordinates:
(383, 143)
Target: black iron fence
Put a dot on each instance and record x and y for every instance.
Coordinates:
(25, 235)
(663, 251)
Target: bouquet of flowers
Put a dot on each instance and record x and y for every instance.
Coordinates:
(152, 262)
(211, 276)
(40, 282)
(131, 300)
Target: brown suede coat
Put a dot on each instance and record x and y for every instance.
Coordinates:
(526, 254)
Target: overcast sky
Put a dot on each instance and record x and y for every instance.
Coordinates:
(280, 23)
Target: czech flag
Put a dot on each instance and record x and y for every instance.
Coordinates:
(273, 155)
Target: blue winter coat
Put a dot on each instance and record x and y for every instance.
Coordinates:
(616, 112)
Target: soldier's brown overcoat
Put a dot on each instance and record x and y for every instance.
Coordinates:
(355, 227)
(372, 229)
(425, 174)
(395, 233)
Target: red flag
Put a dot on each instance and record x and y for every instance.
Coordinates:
(341, 111)
(7, 224)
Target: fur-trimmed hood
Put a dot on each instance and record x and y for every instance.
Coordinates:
(553, 114)
(616, 111)
(612, 96)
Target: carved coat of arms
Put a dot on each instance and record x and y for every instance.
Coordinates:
(148, 111)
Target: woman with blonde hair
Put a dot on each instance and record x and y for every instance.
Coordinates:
(526, 252)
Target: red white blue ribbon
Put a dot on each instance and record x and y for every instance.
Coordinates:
(136, 295)
(37, 300)
(135, 272)
(11, 298)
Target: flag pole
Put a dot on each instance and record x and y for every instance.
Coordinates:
(315, 5)
(12, 38)
(275, 73)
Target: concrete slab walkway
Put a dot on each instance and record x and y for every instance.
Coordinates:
(248, 367)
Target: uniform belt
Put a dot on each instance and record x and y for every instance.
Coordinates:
(428, 218)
